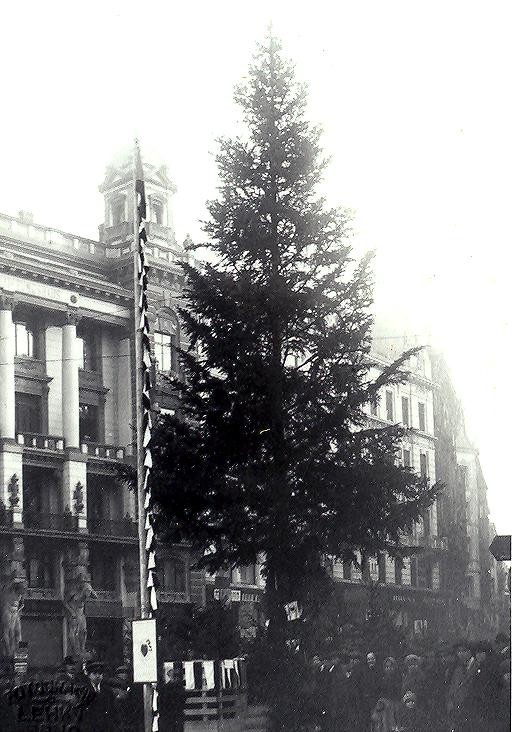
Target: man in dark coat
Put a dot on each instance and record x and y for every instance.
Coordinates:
(371, 681)
(99, 714)
(459, 688)
(172, 701)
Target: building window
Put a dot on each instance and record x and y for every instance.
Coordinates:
(248, 574)
(407, 458)
(347, 570)
(157, 211)
(103, 572)
(405, 411)
(414, 572)
(423, 465)
(118, 211)
(24, 340)
(40, 571)
(166, 343)
(398, 572)
(27, 411)
(87, 351)
(421, 417)
(428, 575)
(382, 567)
(374, 408)
(88, 422)
(426, 522)
(173, 576)
(390, 415)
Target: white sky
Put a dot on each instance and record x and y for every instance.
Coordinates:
(414, 98)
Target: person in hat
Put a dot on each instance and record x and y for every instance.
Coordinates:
(410, 718)
(460, 687)
(483, 697)
(100, 713)
(68, 671)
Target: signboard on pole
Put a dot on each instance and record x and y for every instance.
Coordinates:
(144, 651)
(500, 548)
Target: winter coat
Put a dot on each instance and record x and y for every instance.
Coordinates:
(412, 720)
(100, 712)
(383, 717)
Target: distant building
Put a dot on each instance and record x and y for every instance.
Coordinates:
(411, 588)
(475, 583)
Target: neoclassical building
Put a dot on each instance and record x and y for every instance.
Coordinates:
(68, 532)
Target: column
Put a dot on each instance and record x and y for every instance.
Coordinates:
(70, 385)
(124, 394)
(6, 370)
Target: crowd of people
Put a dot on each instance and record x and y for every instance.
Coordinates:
(459, 688)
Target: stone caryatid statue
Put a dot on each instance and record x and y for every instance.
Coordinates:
(12, 590)
(74, 606)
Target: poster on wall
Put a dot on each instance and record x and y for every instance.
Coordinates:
(144, 651)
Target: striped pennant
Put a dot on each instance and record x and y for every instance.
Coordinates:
(146, 400)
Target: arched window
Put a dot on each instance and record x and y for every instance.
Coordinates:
(167, 342)
(117, 210)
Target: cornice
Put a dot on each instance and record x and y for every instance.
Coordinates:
(103, 291)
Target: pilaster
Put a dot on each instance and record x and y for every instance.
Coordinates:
(124, 393)
(70, 383)
(7, 349)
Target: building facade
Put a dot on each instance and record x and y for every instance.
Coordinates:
(69, 567)
(68, 533)
(411, 588)
(474, 582)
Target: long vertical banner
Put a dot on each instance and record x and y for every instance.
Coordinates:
(146, 400)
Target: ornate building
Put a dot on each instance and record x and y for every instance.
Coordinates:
(69, 569)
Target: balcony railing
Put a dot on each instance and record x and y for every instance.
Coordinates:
(424, 542)
(106, 595)
(54, 238)
(112, 527)
(50, 521)
(111, 452)
(42, 593)
(33, 366)
(40, 442)
(172, 596)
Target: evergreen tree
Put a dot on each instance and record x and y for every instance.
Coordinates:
(271, 453)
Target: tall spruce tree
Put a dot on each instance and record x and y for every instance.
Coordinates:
(271, 453)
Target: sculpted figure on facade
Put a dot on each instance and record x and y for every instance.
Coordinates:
(12, 590)
(74, 606)
(13, 586)
(77, 591)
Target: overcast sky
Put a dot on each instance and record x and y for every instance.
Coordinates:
(414, 99)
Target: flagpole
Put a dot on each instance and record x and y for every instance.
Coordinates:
(143, 570)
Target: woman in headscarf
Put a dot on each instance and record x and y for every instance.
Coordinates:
(383, 714)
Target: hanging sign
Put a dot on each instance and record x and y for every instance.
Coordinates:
(144, 651)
